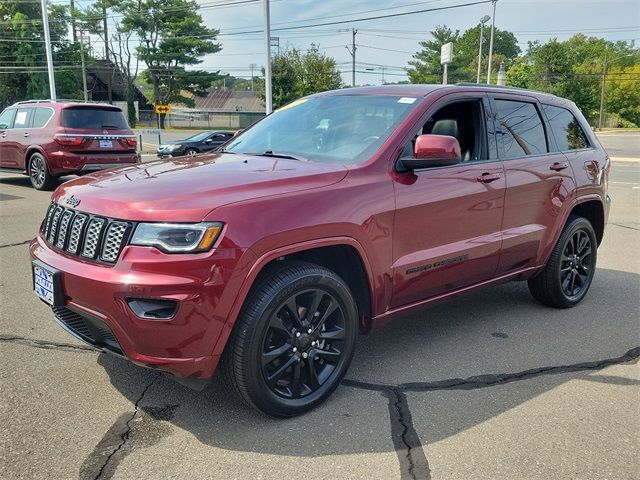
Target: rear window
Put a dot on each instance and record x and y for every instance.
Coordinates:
(522, 130)
(93, 118)
(567, 131)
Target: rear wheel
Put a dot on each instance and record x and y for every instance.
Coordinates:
(293, 341)
(568, 274)
(39, 174)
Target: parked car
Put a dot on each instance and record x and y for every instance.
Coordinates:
(267, 258)
(46, 139)
(198, 143)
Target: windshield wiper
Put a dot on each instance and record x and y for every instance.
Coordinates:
(270, 153)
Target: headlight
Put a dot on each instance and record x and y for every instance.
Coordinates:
(175, 147)
(177, 237)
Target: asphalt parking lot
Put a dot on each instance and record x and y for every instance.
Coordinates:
(491, 385)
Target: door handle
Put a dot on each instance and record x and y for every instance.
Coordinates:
(25, 134)
(489, 177)
(559, 166)
(3, 135)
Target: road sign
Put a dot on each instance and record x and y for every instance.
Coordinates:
(164, 109)
(446, 53)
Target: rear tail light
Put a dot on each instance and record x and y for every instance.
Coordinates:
(68, 140)
(132, 142)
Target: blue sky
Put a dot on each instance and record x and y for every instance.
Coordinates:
(528, 19)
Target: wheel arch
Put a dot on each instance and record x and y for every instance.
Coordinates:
(343, 255)
(30, 151)
(593, 210)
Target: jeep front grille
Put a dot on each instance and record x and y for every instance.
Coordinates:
(89, 236)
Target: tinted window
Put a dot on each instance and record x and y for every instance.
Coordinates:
(198, 137)
(522, 130)
(333, 129)
(22, 118)
(93, 118)
(6, 118)
(41, 116)
(566, 129)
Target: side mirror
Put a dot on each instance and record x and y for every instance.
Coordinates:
(208, 140)
(433, 151)
(3, 126)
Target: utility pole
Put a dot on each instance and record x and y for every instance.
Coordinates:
(602, 92)
(73, 21)
(493, 25)
(84, 69)
(252, 66)
(47, 46)
(106, 52)
(267, 68)
(483, 20)
(352, 51)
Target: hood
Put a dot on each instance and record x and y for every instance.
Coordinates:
(186, 190)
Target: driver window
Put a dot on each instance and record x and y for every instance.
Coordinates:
(463, 120)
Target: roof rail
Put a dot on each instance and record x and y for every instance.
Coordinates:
(58, 100)
(501, 87)
(35, 101)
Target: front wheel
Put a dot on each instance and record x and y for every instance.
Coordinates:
(568, 274)
(293, 341)
(39, 174)
(190, 152)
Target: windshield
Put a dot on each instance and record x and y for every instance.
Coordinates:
(334, 129)
(93, 118)
(198, 137)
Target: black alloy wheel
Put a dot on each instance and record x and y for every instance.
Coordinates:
(569, 272)
(303, 343)
(293, 340)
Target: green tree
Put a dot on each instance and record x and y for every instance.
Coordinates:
(426, 68)
(296, 73)
(172, 37)
(23, 73)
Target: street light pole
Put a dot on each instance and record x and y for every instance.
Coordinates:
(47, 46)
(493, 24)
(483, 20)
(267, 68)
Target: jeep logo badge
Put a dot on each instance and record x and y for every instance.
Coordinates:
(73, 201)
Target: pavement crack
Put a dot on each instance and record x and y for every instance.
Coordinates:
(15, 244)
(45, 344)
(625, 226)
(490, 380)
(108, 467)
(413, 461)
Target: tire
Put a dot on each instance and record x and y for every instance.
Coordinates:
(272, 362)
(190, 152)
(566, 278)
(39, 174)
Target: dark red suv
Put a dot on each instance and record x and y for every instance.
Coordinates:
(46, 139)
(335, 212)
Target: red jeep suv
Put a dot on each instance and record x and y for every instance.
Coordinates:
(335, 212)
(46, 139)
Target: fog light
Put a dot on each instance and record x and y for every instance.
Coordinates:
(153, 309)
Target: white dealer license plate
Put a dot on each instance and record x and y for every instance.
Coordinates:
(43, 283)
(106, 144)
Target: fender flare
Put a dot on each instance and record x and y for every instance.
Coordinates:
(565, 216)
(267, 257)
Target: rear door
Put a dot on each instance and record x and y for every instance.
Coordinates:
(6, 123)
(448, 219)
(539, 181)
(17, 139)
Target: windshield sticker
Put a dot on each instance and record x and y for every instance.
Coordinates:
(292, 104)
(408, 100)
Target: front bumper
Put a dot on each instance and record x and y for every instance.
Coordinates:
(65, 162)
(96, 308)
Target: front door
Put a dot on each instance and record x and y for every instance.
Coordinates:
(17, 140)
(6, 122)
(447, 227)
